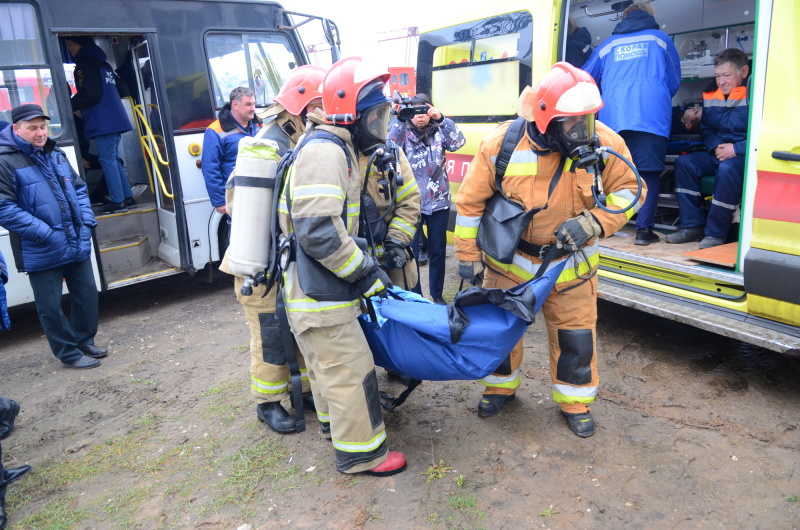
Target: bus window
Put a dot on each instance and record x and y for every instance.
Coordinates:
(261, 62)
(477, 69)
(24, 75)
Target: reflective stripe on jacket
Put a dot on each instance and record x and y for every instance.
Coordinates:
(319, 188)
(725, 119)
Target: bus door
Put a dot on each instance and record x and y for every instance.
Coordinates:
(154, 139)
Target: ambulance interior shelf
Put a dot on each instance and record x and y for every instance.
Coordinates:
(697, 49)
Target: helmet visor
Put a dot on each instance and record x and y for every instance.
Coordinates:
(375, 120)
(575, 131)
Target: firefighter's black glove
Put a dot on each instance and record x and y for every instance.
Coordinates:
(395, 254)
(375, 282)
(574, 233)
(471, 271)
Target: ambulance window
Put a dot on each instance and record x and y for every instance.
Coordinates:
(24, 74)
(479, 68)
(259, 61)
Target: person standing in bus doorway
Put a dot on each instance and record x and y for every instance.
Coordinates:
(45, 207)
(269, 371)
(424, 139)
(724, 128)
(236, 119)
(319, 194)
(104, 118)
(639, 70)
(560, 115)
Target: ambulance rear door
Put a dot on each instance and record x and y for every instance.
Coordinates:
(770, 253)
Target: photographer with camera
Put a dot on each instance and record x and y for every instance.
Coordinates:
(424, 134)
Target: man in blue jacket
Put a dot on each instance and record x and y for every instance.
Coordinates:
(45, 207)
(104, 117)
(638, 70)
(724, 127)
(236, 120)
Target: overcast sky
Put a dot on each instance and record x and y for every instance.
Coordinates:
(360, 21)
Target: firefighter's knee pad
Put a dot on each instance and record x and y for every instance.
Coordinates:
(575, 362)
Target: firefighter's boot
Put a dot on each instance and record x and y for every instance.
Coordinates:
(491, 404)
(581, 424)
(395, 463)
(274, 415)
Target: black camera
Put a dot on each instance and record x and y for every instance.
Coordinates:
(407, 110)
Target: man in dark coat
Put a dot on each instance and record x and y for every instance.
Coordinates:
(45, 207)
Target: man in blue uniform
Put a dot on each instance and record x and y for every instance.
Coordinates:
(638, 70)
(724, 125)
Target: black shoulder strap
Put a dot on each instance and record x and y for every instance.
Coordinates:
(510, 140)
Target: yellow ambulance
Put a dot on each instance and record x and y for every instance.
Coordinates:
(475, 64)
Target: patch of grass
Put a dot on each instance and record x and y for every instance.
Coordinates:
(372, 514)
(461, 394)
(459, 480)
(255, 464)
(436, 471)
(114, 455)
(794, 498)
(148, 420)
(548, 512)
(226, 401)
(458, 501)
(122, 507)
(432, 517)
(56, 515)
(243, 346)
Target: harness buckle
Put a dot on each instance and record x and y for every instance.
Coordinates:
(543, 250)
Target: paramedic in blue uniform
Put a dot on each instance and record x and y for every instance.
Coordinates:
(638, 71)
(724, 127)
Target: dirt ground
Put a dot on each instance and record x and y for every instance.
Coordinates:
(693, 430)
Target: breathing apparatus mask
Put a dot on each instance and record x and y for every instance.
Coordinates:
(575, 138)
(372, 124)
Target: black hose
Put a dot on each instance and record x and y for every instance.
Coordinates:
(638, 181)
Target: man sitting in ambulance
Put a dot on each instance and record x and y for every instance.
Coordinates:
(724, 128)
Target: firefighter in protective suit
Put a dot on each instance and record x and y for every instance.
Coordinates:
(404, 206)
(269, 371)
(560, 114)
(321, 205)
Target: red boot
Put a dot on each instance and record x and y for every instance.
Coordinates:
(395, 463)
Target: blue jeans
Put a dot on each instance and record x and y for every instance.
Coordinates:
(108, 154)
(728, 185)
(437, 247)
(66, 336)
